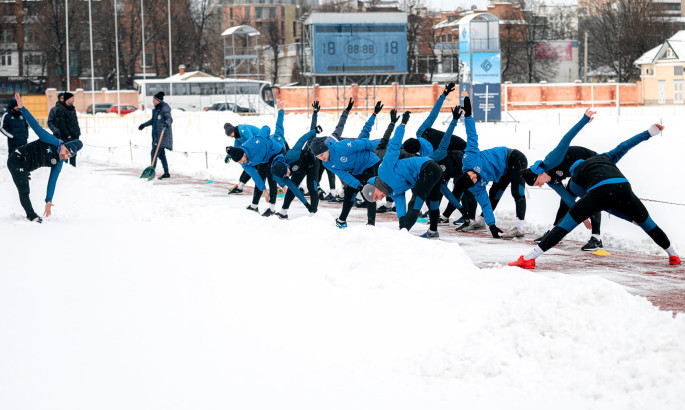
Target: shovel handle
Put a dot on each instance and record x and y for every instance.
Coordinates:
(157, 150)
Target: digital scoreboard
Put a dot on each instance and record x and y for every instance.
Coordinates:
(359, 48)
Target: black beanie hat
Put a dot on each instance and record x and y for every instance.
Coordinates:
(236, 153)
(159, 96)
(412, 146)
(229, 128)
(67, 95)
(12, 104)
(279, 169)
(73, 146)
(529, 176)
(318, 146)
(463, 183)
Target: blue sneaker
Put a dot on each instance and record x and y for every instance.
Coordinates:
(340, 224)
(431, 235)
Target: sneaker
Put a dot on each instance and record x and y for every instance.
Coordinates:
(459, 221)
(268, 212)
(512, 233)
(424, 215)
(165, 176)
(304, 192)
(321, 193)
(673, 260)
(250, 208)
(522, 263)
(382, 209)
(281, 216)
(359, 204)
(467, 223)
(443, 220)
(340, 224)
(40, 221)
(235, 190)
(593, 244)
(475, 226)
(431, 235)
(538, 240)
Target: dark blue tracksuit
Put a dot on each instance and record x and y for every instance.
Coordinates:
(602, 187)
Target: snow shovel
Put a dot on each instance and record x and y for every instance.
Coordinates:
(149, 172)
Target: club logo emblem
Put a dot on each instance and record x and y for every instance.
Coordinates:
(343, 159)
(486, 66)
(295, 168)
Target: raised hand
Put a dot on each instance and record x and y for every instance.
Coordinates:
(405, 117)
(316, 106)
(393, 116)
(448, 89)
(378, 107)
(456, 112)
(350, 105)
(590, 114)
(467, 107)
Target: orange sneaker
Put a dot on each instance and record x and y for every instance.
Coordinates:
(674, 260)
(524, 264)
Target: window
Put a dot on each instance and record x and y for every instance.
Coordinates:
(6, 35)
(449, 38)
(120, 8)
(678, 70)
(6, 58)
(258, 12)
(153, 88)
(230, 13)
(273, 12)
(247, 12)
(678, 91)
(33, 59)
(148, 60)
(669, 53)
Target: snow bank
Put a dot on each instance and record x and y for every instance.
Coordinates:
(138, 295)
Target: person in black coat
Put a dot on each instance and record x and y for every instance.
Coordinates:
(14, 127)
(67, 122)
(161, 121)
(52, 116)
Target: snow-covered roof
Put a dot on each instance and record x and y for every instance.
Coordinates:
(249, 30)
(676, 43)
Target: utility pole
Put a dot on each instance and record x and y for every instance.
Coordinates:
(585, 64)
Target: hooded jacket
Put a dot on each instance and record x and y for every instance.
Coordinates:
(352, 157)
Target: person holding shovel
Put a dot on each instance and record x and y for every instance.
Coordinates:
(162, 136)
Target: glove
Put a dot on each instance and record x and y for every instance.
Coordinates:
(467, 107)
(456, 112)
(318, 129)
(141, 126)
(227, 159)
(448, 89)
(350, 104)
(316, 106)
(164, 126)
(393, 116)
(494, 230)
(405, 117)
(378, 107)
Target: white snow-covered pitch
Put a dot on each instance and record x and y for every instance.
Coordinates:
(143, 295)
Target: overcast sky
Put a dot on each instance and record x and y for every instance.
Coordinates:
(481, 4)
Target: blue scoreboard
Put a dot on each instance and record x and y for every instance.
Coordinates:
(359, 48)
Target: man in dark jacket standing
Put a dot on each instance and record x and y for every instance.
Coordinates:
(52, 116)
(14, 127)
(67, 122)
(161, 121)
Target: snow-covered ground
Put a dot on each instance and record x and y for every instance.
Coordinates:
(146, 295)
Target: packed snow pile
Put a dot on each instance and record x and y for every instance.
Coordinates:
(151, 295)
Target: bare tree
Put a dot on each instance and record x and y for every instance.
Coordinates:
(539, 59)
(274, 39)
(620, 32)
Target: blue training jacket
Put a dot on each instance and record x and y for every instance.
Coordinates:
(49, 139)
(399, 175)
(352, 157)
(490, 165)
(259, 150)
(246, 132)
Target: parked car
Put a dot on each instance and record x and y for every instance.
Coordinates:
(99, 107)
(123, 109)
(227, 106)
